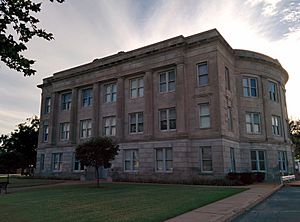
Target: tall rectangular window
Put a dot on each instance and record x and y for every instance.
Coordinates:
(137, 87)
(167, 81)
(167, 119)
(47, 105)
(258, 160)
(66, 99)
(45, 130)
(204, 114)
(273, 93)
(276, 126)
(85, 128)
(64, 131)
(109, 126)
(202, 73)
(227, 79)
(232, 160)
(87, 97)
(131, 160)
(110, 93)
(56, 162)
(282, 161)
(164, 159)
(77, 166)
(206, 159)
(253, 123)
(136, 122)
(250, 87)
(229, 118)
(42, 162)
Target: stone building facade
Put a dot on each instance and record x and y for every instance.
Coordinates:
(184, 108)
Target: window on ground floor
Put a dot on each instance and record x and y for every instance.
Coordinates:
(258, 160)
(206, 159)
(282, 161)
(131, 160)
(42, 162)
(164, 160)
(232, 160)
(56, 162)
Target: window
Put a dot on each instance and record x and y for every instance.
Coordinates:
(85, 128)
(131, 162)
(87, 97)
(202, 72)
(137, 87)
(77, 167)
(167, 81)
(204, 115)
(42, 162)
(276, 125)
(45, 131)
(258, 160)
(110, 93)
(227, 79)
(64, 131)
(250, 87)
(282, 161)
(232, 160)
(167, 119)
(206, 159)
(164, 159)
(66, 101)
(253, 124)
(56, 161)
(229, 118)
(136, 122)
(272, 88)
(47, 105)
(109, 126)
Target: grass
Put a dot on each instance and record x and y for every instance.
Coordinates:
(110, 203)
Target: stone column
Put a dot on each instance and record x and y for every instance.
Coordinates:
(149, 105)
(96, 101)
(73, 116)
(120, 109)
(180, 100)
(55, 109)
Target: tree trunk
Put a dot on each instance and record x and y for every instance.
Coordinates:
(97, 176)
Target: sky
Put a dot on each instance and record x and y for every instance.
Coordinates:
(85, 30)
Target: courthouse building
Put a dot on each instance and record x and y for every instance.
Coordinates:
(184, 108)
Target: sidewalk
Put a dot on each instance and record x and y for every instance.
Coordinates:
(231, 207)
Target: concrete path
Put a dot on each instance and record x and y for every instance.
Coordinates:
(231, 207)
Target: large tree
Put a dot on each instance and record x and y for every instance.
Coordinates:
(18, 150)
(17, 26)
(97, 152)
(295, 136)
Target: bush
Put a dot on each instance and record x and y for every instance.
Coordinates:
(246, 178)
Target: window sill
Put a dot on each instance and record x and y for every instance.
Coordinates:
(206, 173)
(160, 171)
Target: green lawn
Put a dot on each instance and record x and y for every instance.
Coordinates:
(110, 203)
(15, 182)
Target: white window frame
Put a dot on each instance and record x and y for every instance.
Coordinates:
(45, 131)
(273, 91)
(112, 128)
(110, 95)
(132, 160)
(168, 119)
(201, 159)
(136, 123)
(164, 160)
(199, 75)
(168, 81)
(251, 123)
(139, 88)
(204, 115)
(258, 161)
(282, 161)
(276, 125)
(85, 128)
(64, 131)
(86, 97)
(248, 88)
(47, 105)
(66, 101)
(56, 159)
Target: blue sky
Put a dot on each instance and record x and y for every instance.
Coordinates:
(85, 30)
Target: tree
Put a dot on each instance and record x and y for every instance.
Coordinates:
(18, 150)
(295, 136)
(17, 27)
(97, 152)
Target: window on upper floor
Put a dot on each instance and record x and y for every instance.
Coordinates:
(258, 160)
(136, 121)
(167, 81)
(229, 118)
(250, 87)
(85, 128)
(206, 159)
(204, 115)
(45, 130)
(227, 79)
(202, 73)
(87, 97)
(109, 126)
(163, 160)
(47, 105)
(64, 131)
(282, 161)
(66, 99)
(110, 92)
(273, 92)
(137, 87)
(167, 118)
(131, 160)
(253, 123)
(276, 126)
